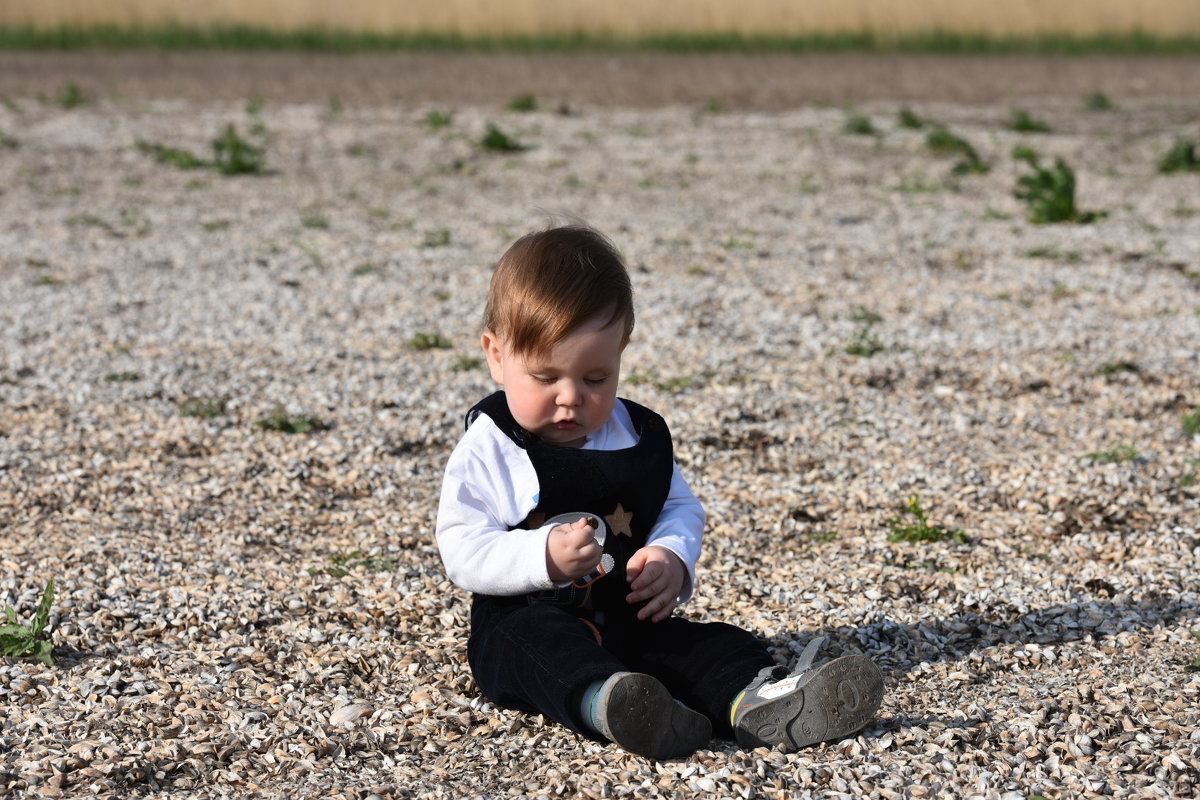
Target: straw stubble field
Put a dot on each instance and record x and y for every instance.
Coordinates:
(840, 328)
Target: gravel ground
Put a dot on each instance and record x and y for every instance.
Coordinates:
(833, 324)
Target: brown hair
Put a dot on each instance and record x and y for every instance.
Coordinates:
(550, 282)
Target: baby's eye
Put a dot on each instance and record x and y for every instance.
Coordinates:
(545, 380)
(596, 381)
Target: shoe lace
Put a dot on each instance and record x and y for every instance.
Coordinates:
(803, 663)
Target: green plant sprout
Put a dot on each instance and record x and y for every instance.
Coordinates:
(343, 564)
(1115, 454)
(182, 159)
(436, 238)
(1189, 476)
(70, 96)
(1098, 101)
(1115, 367)
(499, 141)
(1049, 193)
(204, 407)
(1180, 158)
(908, 119)
(523, 103)
(859, 125)
(905, 529)
(436, 118)
(429, 341)
(865, 343)
(234, 155)
(19, 641)
(1191, 423)
(1022, 122)
(279, 420)
(942, 142)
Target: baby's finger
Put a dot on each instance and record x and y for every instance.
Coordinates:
(648, 577)
(657, 609)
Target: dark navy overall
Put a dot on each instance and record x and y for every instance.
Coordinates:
(539, 652)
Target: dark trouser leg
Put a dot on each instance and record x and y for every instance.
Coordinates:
(537, 658)
(704, 664)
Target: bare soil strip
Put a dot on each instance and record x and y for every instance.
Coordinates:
(636, 79)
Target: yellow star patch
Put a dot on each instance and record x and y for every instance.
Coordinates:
(618, 521)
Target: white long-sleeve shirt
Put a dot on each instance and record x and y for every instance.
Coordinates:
(490, 486)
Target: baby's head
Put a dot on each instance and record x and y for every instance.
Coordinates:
(551, 282)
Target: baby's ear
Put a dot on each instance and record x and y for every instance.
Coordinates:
(493, 351)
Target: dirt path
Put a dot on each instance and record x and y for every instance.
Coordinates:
(763, 81)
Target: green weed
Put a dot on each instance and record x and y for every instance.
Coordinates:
(8, 142)
(1049, 194)
(1098, 101)
(19, 641)
(437, 118)
(907, 119)
(49, 280)
(176, 157)
(232, 155)
(283, 422)
(865, 315)
(865, 343)
(1022, 122)
(127, 376)
(1191, 423)
(942, 142)
(1189, 476)
(343, 564)
(236, 156)
(204, 407)
(314, 219)
(1115, 367)
(859, 125)
(912, 525)
(523, 103)
(70, 96)
(499, 141)
(467, 364)
(1180, 158)
(1114, 455)
(436, 238)
(429, 341)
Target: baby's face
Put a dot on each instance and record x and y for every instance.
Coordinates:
(568, 394)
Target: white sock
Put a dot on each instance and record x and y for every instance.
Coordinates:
(587, 706)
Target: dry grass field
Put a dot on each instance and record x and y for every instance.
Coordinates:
(634, 17)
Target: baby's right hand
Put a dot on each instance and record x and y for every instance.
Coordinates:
(572, 551)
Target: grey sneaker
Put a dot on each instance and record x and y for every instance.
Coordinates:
(809, 704)
(638, 713)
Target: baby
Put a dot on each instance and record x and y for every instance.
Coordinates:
(564, 513)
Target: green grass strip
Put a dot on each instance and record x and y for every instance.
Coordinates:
(249, 38)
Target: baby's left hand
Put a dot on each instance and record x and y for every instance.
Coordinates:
(655, 574)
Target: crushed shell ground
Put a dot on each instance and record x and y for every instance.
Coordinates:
(834, 325)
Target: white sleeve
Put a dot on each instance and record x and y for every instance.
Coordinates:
(489, 486)
(680, 529)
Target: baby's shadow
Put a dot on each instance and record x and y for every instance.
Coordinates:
(903, 647)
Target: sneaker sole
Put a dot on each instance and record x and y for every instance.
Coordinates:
(836, 700)
(643, 718)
